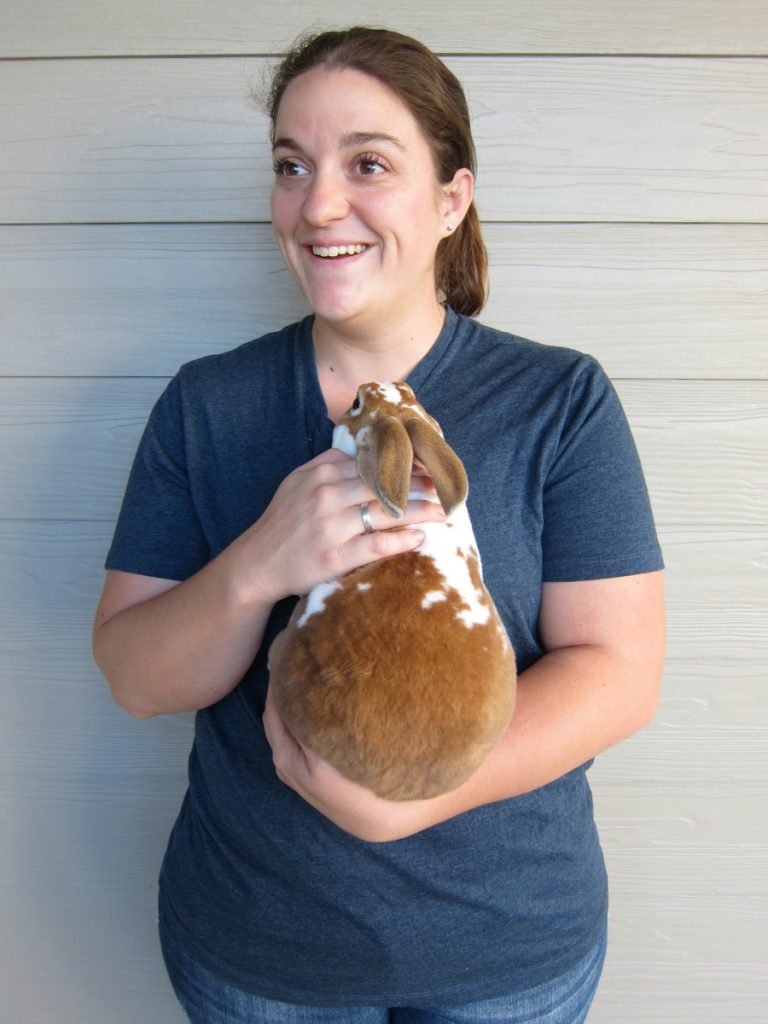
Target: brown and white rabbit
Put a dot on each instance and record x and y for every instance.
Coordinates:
(400, 674)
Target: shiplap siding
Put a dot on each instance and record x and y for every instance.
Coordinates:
(624, 188)
(579, 139)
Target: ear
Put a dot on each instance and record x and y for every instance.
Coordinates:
(384, 461)
(442, 462)
(457, 196)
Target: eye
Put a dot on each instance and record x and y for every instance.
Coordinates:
(355, 405)
(370, 164)
(288, 169)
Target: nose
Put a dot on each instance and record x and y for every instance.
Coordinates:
(326, 200)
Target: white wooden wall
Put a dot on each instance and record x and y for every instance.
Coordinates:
(624, 181)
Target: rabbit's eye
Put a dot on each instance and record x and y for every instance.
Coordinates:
(355, 405)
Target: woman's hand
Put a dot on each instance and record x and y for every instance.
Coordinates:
(167, 647)
(312, 530)
(353, 808)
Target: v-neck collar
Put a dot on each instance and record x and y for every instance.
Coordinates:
(319, 424)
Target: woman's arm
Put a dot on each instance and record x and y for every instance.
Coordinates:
(597, 684)
(168, 647)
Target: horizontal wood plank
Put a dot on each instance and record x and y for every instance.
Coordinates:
(66, 446)
(675, 965)
(702, 449)
(138, 300)
(78, 866)
(35, 28)
(633, 139)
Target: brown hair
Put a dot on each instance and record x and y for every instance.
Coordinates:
(436, 99)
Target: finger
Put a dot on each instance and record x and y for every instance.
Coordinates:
(284, 746)
(417, 511)
(423, 511)
(332, 467)
(422, 481)
(372, 547)
(273, 724)
(420, 478)
(329, 465)
(329, 455)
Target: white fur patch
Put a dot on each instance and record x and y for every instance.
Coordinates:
(316, 599)
(433, 597)
(390, 393)
(343, 440)
(451, 550)
(364, 586)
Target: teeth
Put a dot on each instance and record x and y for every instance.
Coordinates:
(337, 250)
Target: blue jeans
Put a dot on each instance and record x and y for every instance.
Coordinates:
(208, 1000)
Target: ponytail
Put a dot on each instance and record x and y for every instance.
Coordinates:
(461, 269)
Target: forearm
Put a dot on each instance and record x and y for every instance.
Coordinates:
(167, 650)
(572, 704)
(597, 684)
(185, 648)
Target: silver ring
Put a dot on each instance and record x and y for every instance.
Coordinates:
(365, 515)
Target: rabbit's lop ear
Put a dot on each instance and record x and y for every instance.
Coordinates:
(384, 461)
(441, 461)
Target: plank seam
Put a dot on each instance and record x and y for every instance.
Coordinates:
(614, 55)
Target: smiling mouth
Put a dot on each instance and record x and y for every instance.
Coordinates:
(334, 251)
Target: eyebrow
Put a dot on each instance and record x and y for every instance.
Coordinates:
(346, 140)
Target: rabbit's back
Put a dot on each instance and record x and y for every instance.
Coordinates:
(400, 677)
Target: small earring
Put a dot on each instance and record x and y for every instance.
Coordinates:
(449, 227)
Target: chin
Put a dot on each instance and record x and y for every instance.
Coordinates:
(343, 313)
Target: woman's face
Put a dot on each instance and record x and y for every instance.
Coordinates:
(356, 206)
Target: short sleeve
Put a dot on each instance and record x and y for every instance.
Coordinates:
(597, 515)
(158, 531)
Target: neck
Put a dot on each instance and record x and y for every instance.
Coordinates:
(348, 357)
(354, 353)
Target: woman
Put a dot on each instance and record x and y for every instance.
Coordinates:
(287, 892)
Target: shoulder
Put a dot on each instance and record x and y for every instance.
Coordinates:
(231, 385)
(524, 355)
(518, 373)
(272, 353)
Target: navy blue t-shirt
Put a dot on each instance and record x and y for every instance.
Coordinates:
(256, 885)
